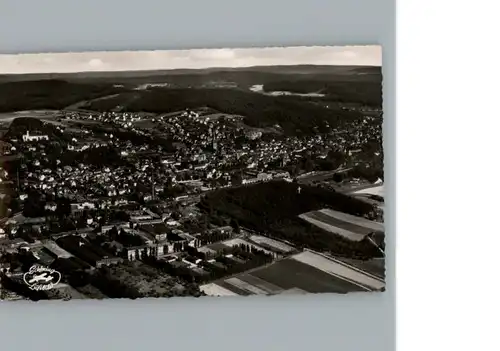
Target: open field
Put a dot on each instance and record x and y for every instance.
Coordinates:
(234, 289)
(241, 284)
(307, 272)
(260, 283)
(312, 218)
(319, 176)
(334, 225)
(352, 227)
(359, 221)
(274, 244)
(374, 266)
(290, 273)
(337, 268)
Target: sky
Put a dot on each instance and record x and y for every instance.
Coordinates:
(196, 58)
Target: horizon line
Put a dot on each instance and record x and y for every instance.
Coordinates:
(194, 59)
(218, 68)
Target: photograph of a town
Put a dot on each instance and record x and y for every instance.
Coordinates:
(217, 172)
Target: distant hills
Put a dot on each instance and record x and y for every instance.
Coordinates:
(124, 76)
(224, 89)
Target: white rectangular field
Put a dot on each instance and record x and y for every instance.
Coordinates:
(339, 269)
(363, 222)
(332, 229)
(206, 250)
(272, 243)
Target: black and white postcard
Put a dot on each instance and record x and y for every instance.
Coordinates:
(217, 172)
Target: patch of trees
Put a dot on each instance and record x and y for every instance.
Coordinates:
(213, 237)
(333, 160)
(27, 233)
(195, 225)
(21, 125)
(273, 208)
(179, 246)
(71, 268)
(119, 216)
(125, 238)
(98, 156)
(20, 288)
(132, 136)
(172, 190)
(8, 205)
(89, 253)
(23, 260)
(59, 294)
(251, 256)
(193, 251)
(280, 199)
(34, 206)
(112, 287)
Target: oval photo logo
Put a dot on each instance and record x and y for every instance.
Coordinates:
(41, 278)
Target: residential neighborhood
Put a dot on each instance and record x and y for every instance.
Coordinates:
(193, 202)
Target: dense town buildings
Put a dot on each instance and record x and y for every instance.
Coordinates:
(104, 196)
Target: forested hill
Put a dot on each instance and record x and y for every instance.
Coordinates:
(159, 75)
(225, 90)
(21, 125)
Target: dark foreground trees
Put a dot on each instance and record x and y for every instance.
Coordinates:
(273, 208)
(19, 287)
